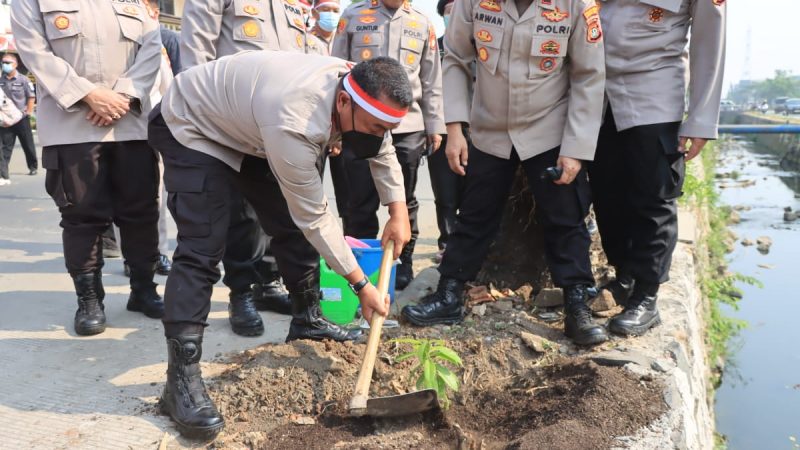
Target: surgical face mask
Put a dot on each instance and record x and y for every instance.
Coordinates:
(8, 67)
(446, 20)
(328, 20)
(363, 145)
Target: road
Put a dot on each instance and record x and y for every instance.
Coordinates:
(62, 391)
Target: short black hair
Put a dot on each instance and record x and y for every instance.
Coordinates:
(440, 6)
(384, 75)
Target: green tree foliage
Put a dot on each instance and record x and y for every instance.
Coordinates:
(782, 84)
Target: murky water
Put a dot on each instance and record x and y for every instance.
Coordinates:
(758, 404)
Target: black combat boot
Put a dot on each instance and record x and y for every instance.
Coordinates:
(307, 320)
(270, 295)
(620, 288)
(578, 323)
(185, 398)
(640, 313)
(445, 306)
(243, 315)
(405, 270)
(144, 298)
(90, 317)
(164, 265)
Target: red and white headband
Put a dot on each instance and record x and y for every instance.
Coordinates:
(371, 105)
(326, 3)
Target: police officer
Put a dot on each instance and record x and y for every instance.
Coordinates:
(538, 103)
(211, 30)
(326, 14)
(395, 29)
(262, 135)
(96, 62)
(17, 88)
(638, 171)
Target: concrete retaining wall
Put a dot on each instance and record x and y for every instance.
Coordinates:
(785, 145)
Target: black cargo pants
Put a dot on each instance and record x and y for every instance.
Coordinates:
(561, 209)
(199, 188)
(636, 178)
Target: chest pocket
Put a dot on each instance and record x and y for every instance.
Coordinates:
(411, 51)
(547, 55)
(130, 19)
(365, 45)
(248, 21)
(61, 18)
(488, 41)
(658, 15)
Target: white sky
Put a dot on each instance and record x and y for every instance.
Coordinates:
(775, 36)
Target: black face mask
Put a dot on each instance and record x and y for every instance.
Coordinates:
(363, 145)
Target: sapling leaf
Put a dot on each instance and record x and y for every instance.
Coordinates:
(448, 377)
(446, 354)
(429, 374)
(404, 356)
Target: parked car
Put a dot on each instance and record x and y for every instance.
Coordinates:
(792, 106)
(727, 105)
(779, 104)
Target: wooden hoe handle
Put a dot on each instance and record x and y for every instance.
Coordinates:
(358, 404)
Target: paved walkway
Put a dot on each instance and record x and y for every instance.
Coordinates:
(62, 391)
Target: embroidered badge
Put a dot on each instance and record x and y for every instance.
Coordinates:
(61, 22)
(299, 23)
(550, 48)
(591, 12)
(484, 36)
(250, 28)
(373, 4)
(342, 25)
(366, 54)
(132, 10)
(483, 54)
(413, 25)
(412, 44)
(594, 33)
(547, 64)
(490, 5)
(291, 2)
(367, 12)
(432, 38)
(299, 39)
(556, 15)
(367, 39)
(367, 19)
(250, 9)
(410, 59)
(655, 15)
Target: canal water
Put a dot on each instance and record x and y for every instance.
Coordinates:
(758, 403)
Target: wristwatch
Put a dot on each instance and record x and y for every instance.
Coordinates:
(360, 285)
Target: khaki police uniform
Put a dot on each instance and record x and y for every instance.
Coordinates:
(538, 94)
(367, 30)
(216, 28)
(94, 173)
(268, 151)
(638, 171)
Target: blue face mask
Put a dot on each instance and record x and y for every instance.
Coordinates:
(446, 20)
(328, 20)
(8, 68)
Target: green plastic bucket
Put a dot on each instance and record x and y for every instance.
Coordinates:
(339, 303)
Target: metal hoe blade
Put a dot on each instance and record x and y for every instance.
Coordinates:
(400, 405)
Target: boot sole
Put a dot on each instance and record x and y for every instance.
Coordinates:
(248, 331)
(452, 320)
(195, 433)
(634, 330)
(136, 308)
(594, 340)
(90, 331)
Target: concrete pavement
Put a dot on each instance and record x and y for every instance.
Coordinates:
(62, 391)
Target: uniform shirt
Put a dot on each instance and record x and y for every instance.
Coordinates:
(18, 89)
(646, 62)
(319, 45)
(215, 28)
(539, 78)
(75, 46)
(278, 106)
(369, 29)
